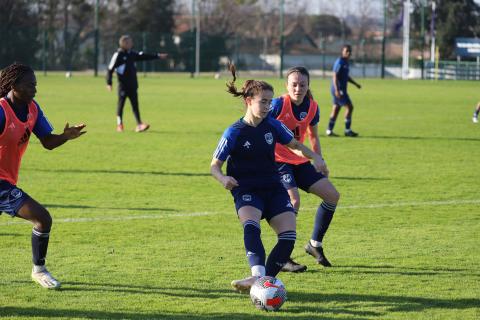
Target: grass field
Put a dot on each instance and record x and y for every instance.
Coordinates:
(142, 231)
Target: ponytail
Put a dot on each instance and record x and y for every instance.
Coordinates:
(250, 87)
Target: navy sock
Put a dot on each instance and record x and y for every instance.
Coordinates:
(331, 124)
(348, 123)
(39, 246)
(280, 253)
(476, 112)
(253, 243)
(322, 220)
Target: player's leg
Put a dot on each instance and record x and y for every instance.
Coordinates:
(133, 96)
(333, 118)
(122, 96)
(348, 120)
(42, 223)
(475, 113)
(288, 180)
(250, 217)
(284, 225)
(324, 189)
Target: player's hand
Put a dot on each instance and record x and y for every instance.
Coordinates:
(109, 87)
(320, 165)
(162, 55)
(358, 86)
(337, 94)
(73, 132)
(229, 182)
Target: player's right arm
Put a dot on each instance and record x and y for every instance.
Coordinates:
(114, 63)
(222, 152)
(336, 68)
(216, 170)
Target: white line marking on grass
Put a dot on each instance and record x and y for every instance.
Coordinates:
(122, 218)
(412, 204)
(210, 213)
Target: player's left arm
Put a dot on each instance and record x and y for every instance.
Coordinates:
(350, 79)
(317, 159)
(52, 141)
(141, 56)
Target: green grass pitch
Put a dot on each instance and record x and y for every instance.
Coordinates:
(141, 230)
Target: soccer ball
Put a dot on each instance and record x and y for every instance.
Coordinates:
(268, 293)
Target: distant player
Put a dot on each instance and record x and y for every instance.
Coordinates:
(475, 113)
(20, 115)
(339, 93)
(123, 62)
(248, 146)
(300, 113)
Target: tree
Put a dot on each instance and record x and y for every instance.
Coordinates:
(18, 32)
(455, 18)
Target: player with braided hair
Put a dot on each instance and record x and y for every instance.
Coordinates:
(252, 176)
(20, 115)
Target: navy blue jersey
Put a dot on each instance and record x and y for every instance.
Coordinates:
(250, 151)
(300, 112)
(42, 126)
(341, 68)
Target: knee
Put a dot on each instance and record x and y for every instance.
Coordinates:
(333, 197)
(44, 221)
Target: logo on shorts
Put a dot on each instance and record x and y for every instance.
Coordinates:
(247, 144)
(289, 205)
(16, 193)
(287, 178)
(303, 115)
(269, 137)
(247, 197)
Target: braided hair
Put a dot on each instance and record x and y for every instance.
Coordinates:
(11, 75)
(302, 71)
(250, 87)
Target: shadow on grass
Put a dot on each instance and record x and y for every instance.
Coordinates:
(346, 306)
(75, 206)
(420, 138)
(133, 172)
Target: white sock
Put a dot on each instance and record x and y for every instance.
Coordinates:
(258, 271)
(38, 268)
(316, 244)
(119, 120)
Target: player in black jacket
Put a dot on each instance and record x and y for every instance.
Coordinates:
(123, 61)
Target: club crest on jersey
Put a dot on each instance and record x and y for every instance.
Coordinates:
(287, 178)
(247, 197)
(247, 145)
(303, 115)
(269, 137)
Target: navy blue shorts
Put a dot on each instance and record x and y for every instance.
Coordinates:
(270, 201)
(302, 175)
(11, 198)
(343, 100)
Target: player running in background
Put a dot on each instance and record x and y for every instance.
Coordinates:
(299, 112)
(20, 115)
(123, 62)
(475, 113)
(339, 93)
(248, 146)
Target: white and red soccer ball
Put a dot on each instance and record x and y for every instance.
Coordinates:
(268, 293)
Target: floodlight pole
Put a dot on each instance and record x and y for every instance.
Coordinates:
(282, 44)
(197, 41)
(422, 34)
(384, 39)
(406, 39)
(432, 33)
(95, 50)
